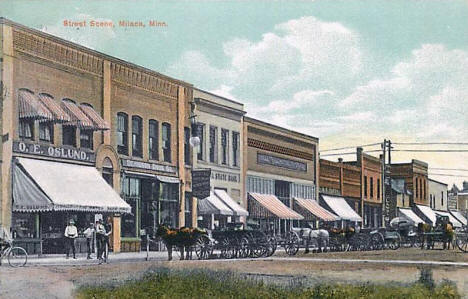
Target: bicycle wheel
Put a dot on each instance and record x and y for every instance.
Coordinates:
(17, 257)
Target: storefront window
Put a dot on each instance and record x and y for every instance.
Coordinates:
(132, 195)
(46, 131)
(26, 129)
(24, 226)
(86, 139)
(168, 204)
(153, 140)
(188, 209)
(69, 135)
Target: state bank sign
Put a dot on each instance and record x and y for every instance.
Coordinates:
(53, 151)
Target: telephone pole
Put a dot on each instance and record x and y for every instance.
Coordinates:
(384, 197)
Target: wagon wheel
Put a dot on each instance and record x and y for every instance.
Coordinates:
(291, 244)
(243, 248)
(203, 247)
(394, 243)
(416, 241)
(462, 239)
(272, 245)
(228, 250)
(377, 241)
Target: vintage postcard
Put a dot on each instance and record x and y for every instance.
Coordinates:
(234, 149)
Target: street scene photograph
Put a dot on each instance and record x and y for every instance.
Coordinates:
(234, 149)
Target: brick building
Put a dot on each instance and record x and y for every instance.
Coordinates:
(415, 176)
(72, 108)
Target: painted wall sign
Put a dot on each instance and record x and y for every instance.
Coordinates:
(225, 176)
(149, 166)
(281, 162)
(201, 183)
(53, 151)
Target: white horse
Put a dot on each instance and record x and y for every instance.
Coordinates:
(319, 237)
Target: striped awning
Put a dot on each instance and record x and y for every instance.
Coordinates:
(310, 209)
(213, 205)
(98, 121)
(59, 114)
(30, 107)
(269, 206)
(78, 117)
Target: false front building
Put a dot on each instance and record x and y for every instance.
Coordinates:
(87, 136)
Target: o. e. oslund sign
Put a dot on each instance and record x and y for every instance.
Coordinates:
(53, 151)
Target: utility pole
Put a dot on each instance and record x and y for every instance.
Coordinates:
(389, 174)
(384, 198)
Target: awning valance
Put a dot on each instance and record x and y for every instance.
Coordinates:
(27, 196)
(459, 217)
(168, 179)
(213, 205)
(59, 114)
(269, 206)
(29, 106)
(238, 210)
(428, 213)
(410, 215)
(340, 207)
(98, 121)
(78, 117)
(72, 187)
(452, 219)
(310, 206)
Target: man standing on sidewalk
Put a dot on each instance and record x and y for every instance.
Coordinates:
(89, 234)
(70, 234)
(100, 239)
(108, 227)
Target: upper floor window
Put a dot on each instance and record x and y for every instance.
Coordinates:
(187, 159)
(86, 139)
(26, 129)
(136, 136)
(46, 131)
(378, 188)
(122, 133)
(69, 135)
(213, 144)
(235, 148)
(224, 146)
(371, 187)
(166, 142)
(153, 139)
(417, 188)
(201, 147)
(365, 186)
(441, 198)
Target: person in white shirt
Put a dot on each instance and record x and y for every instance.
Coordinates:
(89, 234)
(70, 234)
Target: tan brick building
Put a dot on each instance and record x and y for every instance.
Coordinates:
(415, 176)
(126, 121)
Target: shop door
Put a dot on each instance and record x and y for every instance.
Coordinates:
(149, 205)
(283, 192)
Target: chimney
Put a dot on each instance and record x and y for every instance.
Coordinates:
(340, 160)
(359, 152)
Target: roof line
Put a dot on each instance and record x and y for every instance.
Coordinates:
(251, 119)
(114, 59)
(216, 95)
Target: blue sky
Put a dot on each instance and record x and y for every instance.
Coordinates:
(348, 72)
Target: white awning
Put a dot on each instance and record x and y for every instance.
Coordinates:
(238, 209)
(341, 208)
(428, 213)
(73, 187)
(168, 179)
(410, 215)
(213, 205)
(459, 217)
(452, 219)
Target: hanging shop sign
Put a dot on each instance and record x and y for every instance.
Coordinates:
(201, 183)
(149, 166)
(53, 151)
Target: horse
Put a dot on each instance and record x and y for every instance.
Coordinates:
(318, 237)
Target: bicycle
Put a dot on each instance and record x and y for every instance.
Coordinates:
(16, 256)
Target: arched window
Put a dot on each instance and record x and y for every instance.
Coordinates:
(136, 136)
(166, 142)
(122, 133)
(153, 143)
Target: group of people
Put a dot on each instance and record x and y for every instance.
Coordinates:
(101, 230)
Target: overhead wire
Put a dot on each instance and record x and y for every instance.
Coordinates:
(348, 147)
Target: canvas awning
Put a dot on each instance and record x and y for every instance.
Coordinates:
(410, 215)
(459, 217)
(78, 117)
(168, 179)
(30, 107)
(27, 196)
(59, 114)
(98, 121)
(452, 219)
(72, 187)
(340, 207)
(428, 213)
(238, 210)
(269, 206)
(310, 206)
(213, 205)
